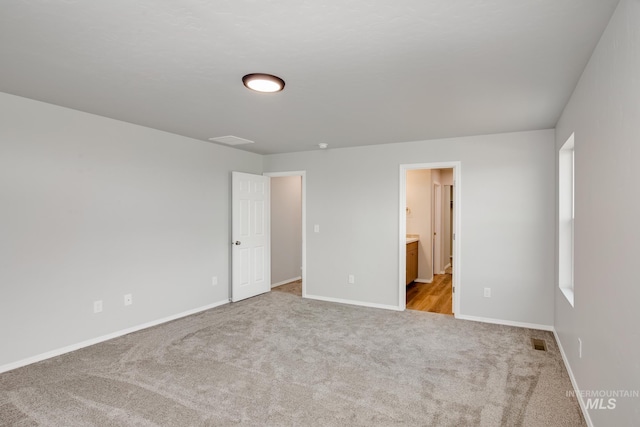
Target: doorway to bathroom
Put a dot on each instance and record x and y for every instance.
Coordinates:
(429, 237)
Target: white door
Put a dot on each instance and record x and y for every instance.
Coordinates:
(453, 227)
(251, 247)
(437, 228)
(446, 225)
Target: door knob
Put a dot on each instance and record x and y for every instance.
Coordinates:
(237, 243)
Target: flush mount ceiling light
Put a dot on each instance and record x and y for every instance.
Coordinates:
(263, 82)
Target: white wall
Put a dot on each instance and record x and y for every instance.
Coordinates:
(604, 111)
(286, 228)
(94, 208)
(436, 227)
(507, 243)
(419, 219)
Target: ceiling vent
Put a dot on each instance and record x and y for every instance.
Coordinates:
(231, 140)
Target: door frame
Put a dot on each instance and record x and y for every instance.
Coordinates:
(402, 230)
(303, 177)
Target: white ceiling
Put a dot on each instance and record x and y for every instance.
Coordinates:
(357, 72)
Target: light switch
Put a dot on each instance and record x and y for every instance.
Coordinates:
(316, 228)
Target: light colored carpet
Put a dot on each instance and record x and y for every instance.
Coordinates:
(278, 359)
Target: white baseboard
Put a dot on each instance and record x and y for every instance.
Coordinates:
(352, 302)
(574, 383)
(424, 280)
(92, 341)
(505, 322)
(284, 282)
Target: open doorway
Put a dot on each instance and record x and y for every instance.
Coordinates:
(429, 240)
(288, 232)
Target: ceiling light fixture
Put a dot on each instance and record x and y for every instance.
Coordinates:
(323, 145)
(263, 82)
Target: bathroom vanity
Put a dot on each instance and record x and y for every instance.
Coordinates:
(412, 259)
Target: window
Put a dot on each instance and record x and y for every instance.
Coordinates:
(566, 216)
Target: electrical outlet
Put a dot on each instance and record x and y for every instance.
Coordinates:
(579, 348)
(97, 306)
(487, 292)
(128, 299)
(352, 279)
(316, 228)
(214, 280)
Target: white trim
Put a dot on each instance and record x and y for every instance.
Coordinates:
(456, 227)
(566, 218)
(97, 340)
(423, 280)
(353, 302)
(284, 282)
(574, 383)
(303, 177)
(568, 294)
(506, 322)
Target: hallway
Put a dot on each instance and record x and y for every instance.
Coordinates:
(434, 297)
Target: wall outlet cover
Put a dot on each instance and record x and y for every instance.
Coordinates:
(579, 348)
(97, 306)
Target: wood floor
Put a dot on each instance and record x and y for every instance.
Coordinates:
(291, 288)
(434, 297)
